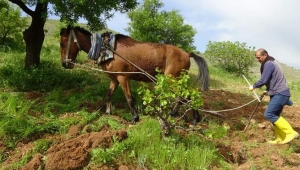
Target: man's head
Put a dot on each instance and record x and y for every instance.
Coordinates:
(261, 54)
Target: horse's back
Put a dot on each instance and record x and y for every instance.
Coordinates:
(148, 57)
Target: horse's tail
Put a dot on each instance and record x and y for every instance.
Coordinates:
(203, 75)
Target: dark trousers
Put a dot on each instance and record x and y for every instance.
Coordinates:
(276, 104)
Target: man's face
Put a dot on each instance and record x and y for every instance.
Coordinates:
(259, 57)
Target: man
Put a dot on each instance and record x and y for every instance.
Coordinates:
(272, 77)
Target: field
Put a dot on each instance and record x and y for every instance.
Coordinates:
(52, 118)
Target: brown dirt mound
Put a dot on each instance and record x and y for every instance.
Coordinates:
(74, 153)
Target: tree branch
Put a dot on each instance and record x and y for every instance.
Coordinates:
(23, 7)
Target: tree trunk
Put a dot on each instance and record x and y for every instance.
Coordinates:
(34, 36)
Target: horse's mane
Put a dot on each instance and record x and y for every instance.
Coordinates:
(120, 37)
(80, 29)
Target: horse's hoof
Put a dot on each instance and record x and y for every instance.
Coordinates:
(174, 114)
(135, 119)
(195, 121)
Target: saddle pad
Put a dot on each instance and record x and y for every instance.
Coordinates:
(97, 46)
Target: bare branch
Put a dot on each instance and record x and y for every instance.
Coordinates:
(23, 7)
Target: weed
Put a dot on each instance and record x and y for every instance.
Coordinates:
(215, 131)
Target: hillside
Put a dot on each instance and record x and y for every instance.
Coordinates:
(53, 118)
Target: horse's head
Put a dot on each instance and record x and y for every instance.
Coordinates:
(69, 47)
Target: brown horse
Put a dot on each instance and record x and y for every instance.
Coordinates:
(131, 56)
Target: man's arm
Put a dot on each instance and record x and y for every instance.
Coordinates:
(266, 75)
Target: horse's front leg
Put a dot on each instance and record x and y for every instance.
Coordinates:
(124, 82)
(112, 87)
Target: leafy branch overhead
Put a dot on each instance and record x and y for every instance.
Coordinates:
(11, 25)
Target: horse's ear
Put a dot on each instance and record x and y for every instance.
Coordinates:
(69, 27)
(65, 30)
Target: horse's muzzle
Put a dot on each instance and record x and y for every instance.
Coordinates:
(67, 65)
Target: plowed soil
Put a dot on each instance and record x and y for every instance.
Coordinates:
(243, 149)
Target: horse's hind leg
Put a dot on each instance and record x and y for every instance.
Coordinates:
(196, 117)
(124, 82)
(112, 87)
(175, 109)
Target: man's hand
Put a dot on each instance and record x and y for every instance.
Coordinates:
(265, 93)
(251, 88)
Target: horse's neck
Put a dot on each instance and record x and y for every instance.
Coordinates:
(85, 43)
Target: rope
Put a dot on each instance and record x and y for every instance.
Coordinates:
(226, 110)
(112, 72)
(144, 73)
(137, 67)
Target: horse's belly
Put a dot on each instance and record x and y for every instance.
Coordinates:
(142, 76)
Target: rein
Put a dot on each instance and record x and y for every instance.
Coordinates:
(134, 65)
(112, 72)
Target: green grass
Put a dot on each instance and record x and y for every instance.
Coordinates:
(174, 152)
(60, 103)
(146, 148)
(61, 98)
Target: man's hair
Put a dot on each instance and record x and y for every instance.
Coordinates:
(262, 51)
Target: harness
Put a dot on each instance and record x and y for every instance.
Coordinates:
(69, 43)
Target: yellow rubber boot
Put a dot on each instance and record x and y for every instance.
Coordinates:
(280, 136)
(284, 126)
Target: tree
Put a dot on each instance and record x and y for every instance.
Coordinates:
(3, 4)
(11, 23)
(150, 24)
(233, 57)
(96, 12)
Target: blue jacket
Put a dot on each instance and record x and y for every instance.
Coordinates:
(273, 78)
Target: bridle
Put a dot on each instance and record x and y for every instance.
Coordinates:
(72, 34)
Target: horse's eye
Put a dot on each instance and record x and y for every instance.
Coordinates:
(61, 45)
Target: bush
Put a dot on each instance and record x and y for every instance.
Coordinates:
(233, 57)
(166, 95)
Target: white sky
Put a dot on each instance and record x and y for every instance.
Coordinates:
(270, 24)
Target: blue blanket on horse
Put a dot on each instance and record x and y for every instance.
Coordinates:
(97, 47)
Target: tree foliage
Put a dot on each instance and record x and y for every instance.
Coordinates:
(233, 57)
(150, 24)
(11, 25)
(3, 4)
(96, 12)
